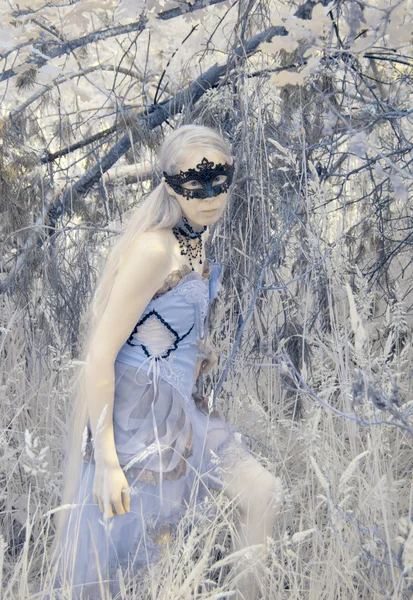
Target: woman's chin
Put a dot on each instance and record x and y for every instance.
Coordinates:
(208, 217)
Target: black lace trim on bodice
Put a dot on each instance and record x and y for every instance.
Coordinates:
(170, 282)
(162, 320)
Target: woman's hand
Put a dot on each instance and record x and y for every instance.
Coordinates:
(208, 358)
(210, 361)
(108, 485)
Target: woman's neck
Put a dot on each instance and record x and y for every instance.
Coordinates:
(195, 226)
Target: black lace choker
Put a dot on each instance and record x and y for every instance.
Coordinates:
(184, 233)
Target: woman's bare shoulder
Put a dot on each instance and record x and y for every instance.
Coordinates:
(155, 240)
(148, 247)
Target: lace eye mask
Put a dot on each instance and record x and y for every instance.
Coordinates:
(205, 175)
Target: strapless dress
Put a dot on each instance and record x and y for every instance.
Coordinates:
(169, 442)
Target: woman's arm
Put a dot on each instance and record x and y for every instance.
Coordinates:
(142, 273)
(100, 388)
(207, 357)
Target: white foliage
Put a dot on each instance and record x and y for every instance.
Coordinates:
(406, 528)
(300, 536)
(351, 468)
(35, 462)
(359, 331)
(323, 481)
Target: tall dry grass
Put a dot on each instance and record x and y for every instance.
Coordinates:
(345, 530)
(314, 368)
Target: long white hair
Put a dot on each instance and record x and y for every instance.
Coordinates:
(156, 210)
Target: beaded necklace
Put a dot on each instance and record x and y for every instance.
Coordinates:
(184, 233)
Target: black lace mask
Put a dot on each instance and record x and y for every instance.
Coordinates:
(205, 175)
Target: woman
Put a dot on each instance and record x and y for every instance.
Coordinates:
(144, 347)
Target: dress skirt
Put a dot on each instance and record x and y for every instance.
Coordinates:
(171, 451)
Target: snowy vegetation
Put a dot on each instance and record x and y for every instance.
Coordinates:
(313, 325)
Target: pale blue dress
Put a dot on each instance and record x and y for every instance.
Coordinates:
(163, 439)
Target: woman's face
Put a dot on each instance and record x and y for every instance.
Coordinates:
(201, 211)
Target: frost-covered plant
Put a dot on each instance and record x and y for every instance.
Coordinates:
(34, 459)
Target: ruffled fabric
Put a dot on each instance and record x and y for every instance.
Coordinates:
(190, 440)
(211, 270)
(175, 276)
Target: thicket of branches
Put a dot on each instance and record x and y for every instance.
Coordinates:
(316, 307)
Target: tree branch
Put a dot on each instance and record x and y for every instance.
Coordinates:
(159, 114)
(69, 76)
(38, 60)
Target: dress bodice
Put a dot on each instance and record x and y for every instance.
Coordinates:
(167, 337)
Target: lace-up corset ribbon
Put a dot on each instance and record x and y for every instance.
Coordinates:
(167, 338)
